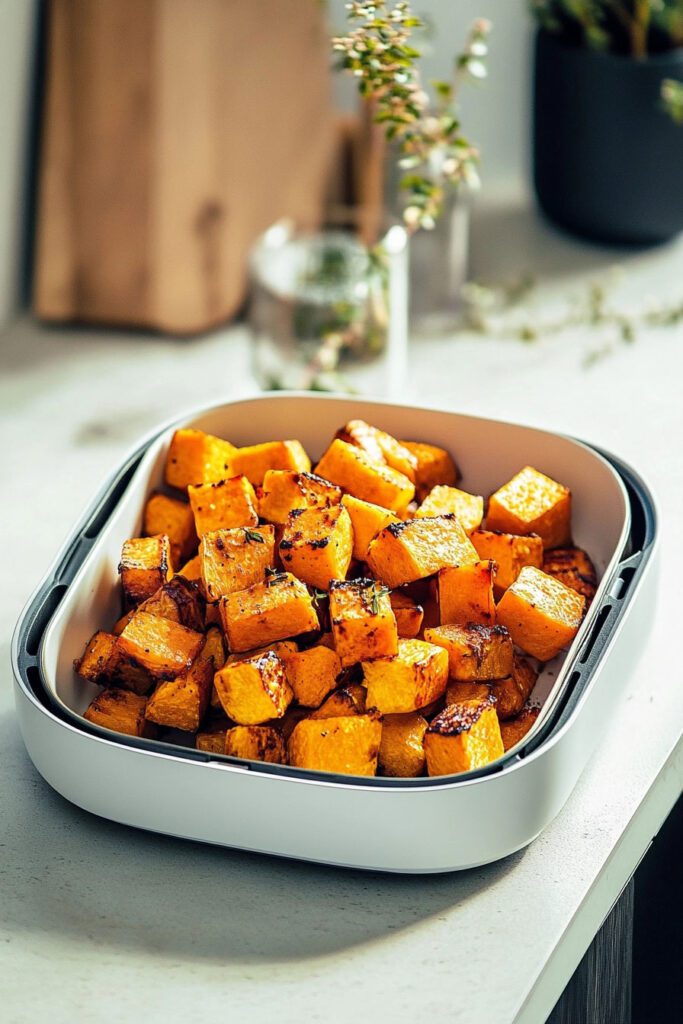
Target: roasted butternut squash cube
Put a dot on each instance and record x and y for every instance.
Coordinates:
(256, 743)
(181, 703)
(280, 648)
(214, 647)
(476, 653)
(415, 677)
(192, 570)
(541, 613)
(178, 600)
(353, 469)
(103, 663)
(254, 690)
(233, 560)
(317, 544)
(510, 553)
(197, 458)
(443, 501)
(174, 518)
(280, 607)
(348, 745)
(118, 710)
(512, 693)
(144, 567)
(362, 620)
(401, 754)
(255, 460)
(532, 503)
(515, 729)
(367, 520)
(434, 466)
(163, 647)
(312, 674)
(121, 623)
(466, 593)
(573, 567)
(212, 739)
(380, 446)
(409, 614)
(463, 737)
(223, 505)
(457, 692)
(411, 550)
(349, 700)
(284, 491)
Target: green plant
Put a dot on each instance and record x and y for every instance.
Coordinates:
(635, 27)
(433, 152)
(672, 99)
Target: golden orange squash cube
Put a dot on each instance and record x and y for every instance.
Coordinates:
(512, 693)
(163, 647)
(317, 544)
(312, 674)
(214, 647)
(515, 729)
(178, 600)
(532, 503)
(415, 677)
(233, 560)
(280, 607)
(279, 648)
(254, 690)
(284, 490)
(541, 613)
(144, 567)
(256, 743)
(409, 614)
(434, 466)
(103, 663)
(416, 548)
(457, 692)
(463, 737)
(174, 518)
(362, 620)
(476, 653)
(466, 593)
(223, 505)
(119, 710)
(181, 703)
(380, 446)
(443, 501)
(367, 520)
(401, 754)
(573, 567)
(192, 570)
(212, 739)
(510, 553)
(353, 469)
(197, 458)
(255, 460)
(347, 745)
(350, 700)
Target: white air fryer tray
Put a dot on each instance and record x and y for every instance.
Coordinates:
(410, 825)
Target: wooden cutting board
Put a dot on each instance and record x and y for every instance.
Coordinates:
(174, 132)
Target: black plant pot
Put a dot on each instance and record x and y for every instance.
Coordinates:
(608, 160)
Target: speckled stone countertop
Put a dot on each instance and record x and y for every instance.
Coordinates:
(100, 923)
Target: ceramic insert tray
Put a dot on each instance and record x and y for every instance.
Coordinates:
(410, 825)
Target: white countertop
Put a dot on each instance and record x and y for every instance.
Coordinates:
(102, 923)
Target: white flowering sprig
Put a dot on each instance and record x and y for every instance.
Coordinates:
(433, 152)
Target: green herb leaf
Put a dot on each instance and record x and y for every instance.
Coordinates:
(252, 537)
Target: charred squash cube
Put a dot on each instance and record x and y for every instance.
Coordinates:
(223, 505)
(103, 663)
(515, 729)
(118, 710)
(181, 703)
(409, 614)
(348, 745)
(178, 600)
(144, 567)
(542, 615)
(197, 458)
(280, 607)
(349, 700)
(256, 743)
(513, 692)
(434, 466)
(463, 737)
(363, 623)
(164, 515)
(466, 593)
(401, 753)
(573, 567)
(367, 521)
(415, 677)
(443, 501)
(510, 553)
(284, 491)
(317, 544)
(476, 653)
(212, 738)
(163, 647)
(417, 548)
(380, 446)
(254, 690)
(532, 503)
(312, 674)
(233, 560)
(353, 469)
(255, 460)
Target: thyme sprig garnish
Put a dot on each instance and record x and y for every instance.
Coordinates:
(252, 537)
(378, 592)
